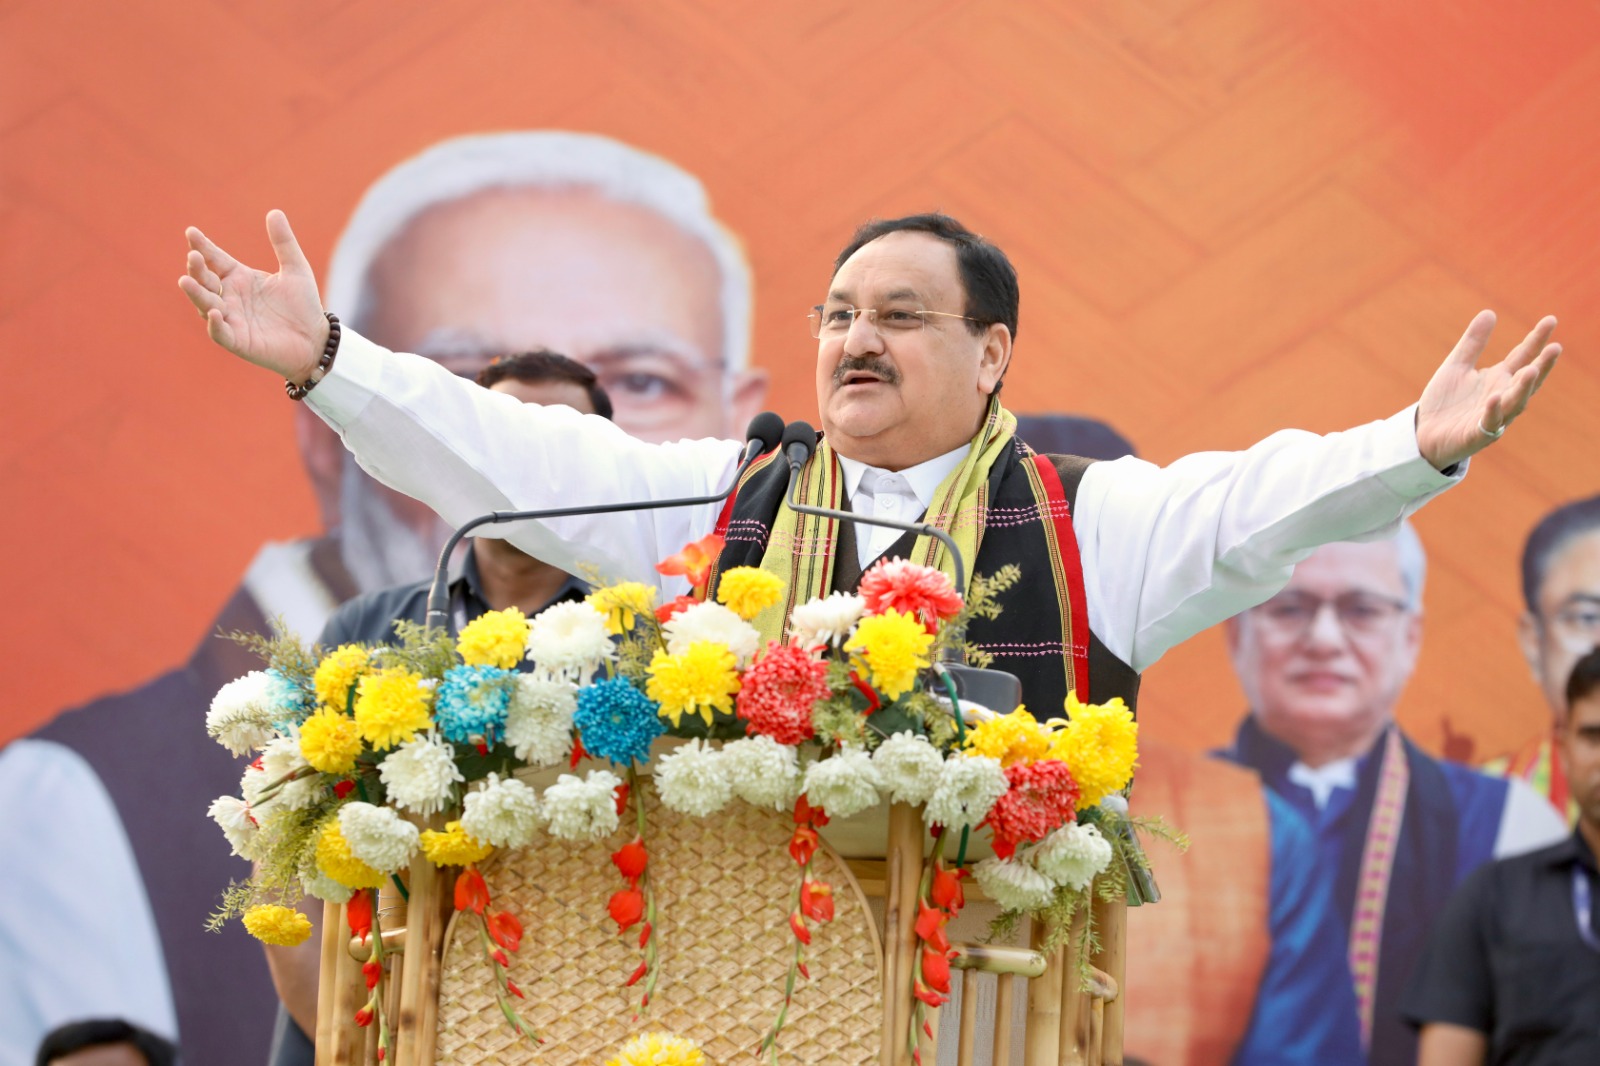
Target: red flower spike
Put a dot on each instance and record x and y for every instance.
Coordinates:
(622, 792)
(472, 894)
(511, 986)
(927, 1027)
(500, 957)
(578, 754)
(383, 1053)
(946, 890)
(644, 968)
(372, 970)
(816, 900)
(506, 929)
(364, 1017)
(358, 912)
(631, 859)
(694, 562)
(930, 927)
(803, 971)
(644, 934)
(798, 924)
(936, 970)
(932, 999)
(626, 907)
(673, 607)
(806, 814)
(803, 845)
(343, 788)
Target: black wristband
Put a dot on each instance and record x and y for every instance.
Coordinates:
(324, 364)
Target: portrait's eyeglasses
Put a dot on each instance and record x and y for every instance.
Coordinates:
(1576, 625)
(835, 320)
(1291, 614)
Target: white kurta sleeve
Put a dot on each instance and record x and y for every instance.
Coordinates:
(466, 451)
(1169, 551)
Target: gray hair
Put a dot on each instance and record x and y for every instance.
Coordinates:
(541, 159)
(1413, 563)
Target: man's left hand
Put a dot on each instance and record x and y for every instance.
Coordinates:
(1466, 407)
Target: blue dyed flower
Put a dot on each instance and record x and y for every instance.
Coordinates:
(472, 702)
(290, 702)
(616, 721)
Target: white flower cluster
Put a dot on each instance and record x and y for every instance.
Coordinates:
(238, 825)
(1072, 855)
(1014, 886)
(762, 772)
(691, 779)
(571, 640)
(843, 785)
(279, 760)
(968, 786)
(826, 621)
(242, 712)
(715, 623)
(582, 808)
(502, 813)
(420, 774)
(318, 884)
(909, 767)
(539, 719)
(378, 836)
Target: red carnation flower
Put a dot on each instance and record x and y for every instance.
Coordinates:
(779, 690)
(1042, 798)
(911, 589)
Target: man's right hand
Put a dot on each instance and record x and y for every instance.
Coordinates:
(272, 320)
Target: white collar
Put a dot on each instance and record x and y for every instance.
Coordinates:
(1322, 780)
(924, 478)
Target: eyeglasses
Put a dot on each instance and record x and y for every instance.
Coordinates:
(1291, 614)
(835, 320)
(1576, 625)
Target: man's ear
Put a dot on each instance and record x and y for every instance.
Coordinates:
(322, 452)
(994, 359)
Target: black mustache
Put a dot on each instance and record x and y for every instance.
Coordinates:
(870, 364)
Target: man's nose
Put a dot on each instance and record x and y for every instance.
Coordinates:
(1325, 630)
(863, 337)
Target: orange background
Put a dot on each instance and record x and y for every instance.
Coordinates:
(1229, 216)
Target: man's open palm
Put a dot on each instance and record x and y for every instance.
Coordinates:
(1465, 406)
(272, 320)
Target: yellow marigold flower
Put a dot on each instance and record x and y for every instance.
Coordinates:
(495, 638)
(1099, 742)
(749, 590)
(330, 741)
(702, 679)
(336, 861)
(391, 707)
(453, 847)
(338, 672)
(1011, 738)
(272, 924)
(659, 1049)
(894, 646)
(619, 603)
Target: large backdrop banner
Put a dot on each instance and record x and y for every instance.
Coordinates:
(1229, 217)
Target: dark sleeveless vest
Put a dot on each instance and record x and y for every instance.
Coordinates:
(1042, 634)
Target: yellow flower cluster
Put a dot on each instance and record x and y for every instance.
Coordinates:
(1011, 738)
(335, 859)
(620, 603)
(659, 1049)
(338, 672)
(272, 924)
(391, 706)
(330, 741)
(494, 638)
(453, 847)
(702, 679)
(894, 646)
(749, 590)
(1099, 742)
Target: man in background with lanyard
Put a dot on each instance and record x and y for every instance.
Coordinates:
(1512, 974)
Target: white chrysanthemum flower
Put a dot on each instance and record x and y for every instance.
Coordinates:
(503, 813)
(378, 836)
(909, 767)
(279, 759)
(1073, 855)
(569, 640)
(582, 808)
(691, 779)
(419, 774)
(233, 815)
(715, 623)
(826, 621)
(242, 713)
(320, 885)
(968, 786)
(843, 784)
(762, 772)
(539, 720)
(1014, 886)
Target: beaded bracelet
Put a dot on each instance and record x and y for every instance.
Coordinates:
(329, 350)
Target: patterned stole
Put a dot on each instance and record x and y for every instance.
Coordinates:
(1375, 873)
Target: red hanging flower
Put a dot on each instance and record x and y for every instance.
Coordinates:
(816, 900)
(364, 1017)
(779, 690)
(694, 562)
(936, 970)
(358, 912)
(806, 814)
(930, 926)
(896, 584)
(932, 999)
(1042, 798)
(803, 844)
(626, 907)
(506, 929)
(631, 859)
(513, 989)
(798, 925)
(946, 890)
(673, 607)
(472, 894)
(372, 970)
(622, 792)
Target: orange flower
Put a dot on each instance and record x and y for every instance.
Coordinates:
(694, 562)
(946, 890)
(364, 1017)
(932, 999)
(930, 926)
(798, 924)
(358, 912)
(803, 844)
(631, 860)
(372, 970)
(506, 930)
(816, 900)
(806, 814)
(471, 891)
(626, 907)
(936, 970)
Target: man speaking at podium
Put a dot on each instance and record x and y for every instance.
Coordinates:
(914, 334)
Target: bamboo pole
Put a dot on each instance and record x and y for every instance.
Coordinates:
(1042, 1039)
(1111, 919)
(341, 992)
(1005, 995)
(904, 854)
(418, 1015)
(328, 981)
(967, 1038)
(1074, 1000)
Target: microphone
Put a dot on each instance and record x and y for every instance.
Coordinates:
(994, 689)
(762, 436)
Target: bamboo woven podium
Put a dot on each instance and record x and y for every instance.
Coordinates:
(724, 886)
